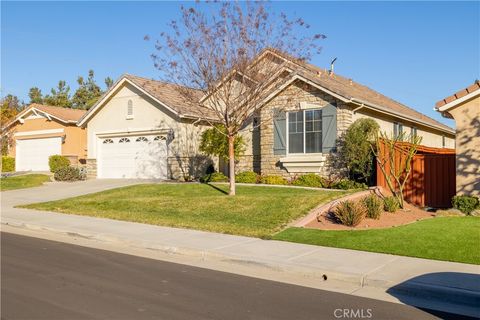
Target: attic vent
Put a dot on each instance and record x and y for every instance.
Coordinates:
(130, 109)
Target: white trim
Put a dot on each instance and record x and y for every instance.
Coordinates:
(453, 103)
(112, 91)
(37, 132)
(132, 132)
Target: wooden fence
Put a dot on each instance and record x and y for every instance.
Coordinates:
(432, 179)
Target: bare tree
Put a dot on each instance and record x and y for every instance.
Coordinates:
(219, 49)
(394, 155)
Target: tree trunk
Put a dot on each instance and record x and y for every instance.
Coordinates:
(231, 164)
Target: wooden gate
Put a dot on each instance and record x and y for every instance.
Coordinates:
(432, 179)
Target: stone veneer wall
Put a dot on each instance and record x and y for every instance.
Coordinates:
(289, 99)
(91, 168)
(179, 168)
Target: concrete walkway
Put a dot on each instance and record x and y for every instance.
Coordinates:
(446, 286)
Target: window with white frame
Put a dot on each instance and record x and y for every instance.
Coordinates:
(397, 129)
(305, 131)
(141, 139)
(124, 140)
(130, 109)
(107, 141)
(414, 132)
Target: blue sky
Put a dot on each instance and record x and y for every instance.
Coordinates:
(414, 52)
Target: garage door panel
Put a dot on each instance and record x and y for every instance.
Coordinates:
(33, 154)
(133, 159)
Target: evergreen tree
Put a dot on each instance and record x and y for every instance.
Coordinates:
(60, 96)
(108, 82)
(87, 93)
(35, 95)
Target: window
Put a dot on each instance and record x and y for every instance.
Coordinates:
(397, 129)
(443, 141)
(124, 140)
(130, 109)
(414, 131)
(305, 131)
(107, 141)
(159, 138)
(141, 139)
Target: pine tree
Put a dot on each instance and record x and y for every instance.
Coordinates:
(87, 93)
(60, 96)
(35, 95)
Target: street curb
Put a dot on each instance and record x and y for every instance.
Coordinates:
(440, 294)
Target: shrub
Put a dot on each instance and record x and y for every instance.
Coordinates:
(374, 206)
(246, 177)
(273, 180)
(309, 180)
(57, 162)
(68, 174)
(391, 204)
(8, 164)
(350, 213)
(466, 204)
(346, 184)
(214, 177)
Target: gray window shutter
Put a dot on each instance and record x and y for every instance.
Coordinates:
(279, 133)
(329, 128)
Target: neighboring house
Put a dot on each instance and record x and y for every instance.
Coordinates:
(464, 107)
(312, 108)
(142, 128)
(40, 131)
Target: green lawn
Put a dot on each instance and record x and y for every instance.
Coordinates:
(254, 211)
(24, 181)
(449, 238)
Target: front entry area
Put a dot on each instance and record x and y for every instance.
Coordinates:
(33, 154)
(136, 157)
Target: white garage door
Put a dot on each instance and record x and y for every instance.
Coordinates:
(32, 154)
(143, 157)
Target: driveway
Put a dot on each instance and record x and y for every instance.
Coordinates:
(60, 190)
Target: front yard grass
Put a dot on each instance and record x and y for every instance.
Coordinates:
(24, 181)
(254, 211)
(447, 238)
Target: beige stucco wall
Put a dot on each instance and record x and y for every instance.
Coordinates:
(467, 120)
(430, 137)
(147, 115)
(74, 144)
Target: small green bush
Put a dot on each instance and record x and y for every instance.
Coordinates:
(391, 204)
(68, 174)
(214, 177)
(374, 206)
(57, 162)
(466, 204)
(273, 180)
(8, 164)
(246, 177)
(309, 180)
(350, 213)
(346, 184)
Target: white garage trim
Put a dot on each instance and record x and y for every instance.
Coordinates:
(37, 132)
(133, 131)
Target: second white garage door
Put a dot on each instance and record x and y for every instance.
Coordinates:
(32, 154)
(142, 157)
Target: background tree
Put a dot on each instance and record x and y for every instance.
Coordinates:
(10, 106)
(60, 96)
(87, 92)
(108, 82)
(214, 142)
(396, 169)
(355, 149)
(211, 48)
(35, 95)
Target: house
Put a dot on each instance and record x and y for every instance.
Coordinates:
(40, 131)
(464, 108)
(313, 108)
(142, 128)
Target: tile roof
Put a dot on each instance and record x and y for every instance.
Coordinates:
(175, 96)
(65, 114)
(459, 94)
(350, 89)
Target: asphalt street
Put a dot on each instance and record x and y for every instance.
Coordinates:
(43, 279)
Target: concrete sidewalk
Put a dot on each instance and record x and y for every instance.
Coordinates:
(439, 285)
